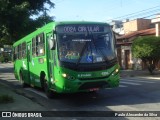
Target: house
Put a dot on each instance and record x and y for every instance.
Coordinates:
(117, 26)
(132, 30)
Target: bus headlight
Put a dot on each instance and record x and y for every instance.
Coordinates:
(115, 72)
(64, 75)
(68, 76)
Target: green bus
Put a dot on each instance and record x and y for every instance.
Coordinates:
(68, 57)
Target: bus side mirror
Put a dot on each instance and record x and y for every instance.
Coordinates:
(52, 44)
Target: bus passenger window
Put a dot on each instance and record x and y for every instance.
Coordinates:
(19, 51)
(40, 45)
(15, 55)
(34, 47)
(23, 50)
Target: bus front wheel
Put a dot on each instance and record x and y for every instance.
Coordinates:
(48, 92)
(23, 84)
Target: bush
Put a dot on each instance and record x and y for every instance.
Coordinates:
(1, 59)
(6, 99)
(147, 49)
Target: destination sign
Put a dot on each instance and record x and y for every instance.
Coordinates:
(81, 28)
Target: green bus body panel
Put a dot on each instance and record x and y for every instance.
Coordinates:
(74, 81)
(31, 68)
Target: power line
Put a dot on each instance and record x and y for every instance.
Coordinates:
(146, 13)
(125, 16)
(151, 15)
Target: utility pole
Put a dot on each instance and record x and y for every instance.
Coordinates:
(45, 15)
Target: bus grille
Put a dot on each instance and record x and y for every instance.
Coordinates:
(90, 85)
(97, 78)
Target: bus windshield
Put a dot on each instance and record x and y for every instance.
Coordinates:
(86, 47)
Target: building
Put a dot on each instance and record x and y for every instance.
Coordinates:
(137, 25)
(132, 30)
(117, 26)
(6, 53)
(156, 21)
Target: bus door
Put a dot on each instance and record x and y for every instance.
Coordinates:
(28, 60)
(31, 65)
(51, 60)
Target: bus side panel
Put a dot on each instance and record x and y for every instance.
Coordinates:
(17, 67)
(38, 65)
(25, 71)
(21, 66)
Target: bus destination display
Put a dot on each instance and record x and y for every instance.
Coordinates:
(80, 28)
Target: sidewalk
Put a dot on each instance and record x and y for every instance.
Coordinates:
(139, 73)
(20, 102)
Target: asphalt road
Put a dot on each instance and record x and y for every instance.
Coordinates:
(133, 94)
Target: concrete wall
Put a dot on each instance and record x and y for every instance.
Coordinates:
(143, 24)
(134, 63)
(130, 26)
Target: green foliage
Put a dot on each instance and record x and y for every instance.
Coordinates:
(6, 99)
(1, 58)
(148, 49)
(5, 58)
(16, 21)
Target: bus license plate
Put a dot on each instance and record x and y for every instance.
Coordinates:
(93, 89)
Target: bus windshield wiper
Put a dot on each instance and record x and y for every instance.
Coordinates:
(82, 52)
(106, 60)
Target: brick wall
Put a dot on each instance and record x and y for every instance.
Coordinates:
(136, 25)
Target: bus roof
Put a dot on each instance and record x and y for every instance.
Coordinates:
(78, 22)
(49, 27)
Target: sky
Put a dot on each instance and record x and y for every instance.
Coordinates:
(98, 10)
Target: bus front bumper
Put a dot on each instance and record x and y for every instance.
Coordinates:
(73, 86)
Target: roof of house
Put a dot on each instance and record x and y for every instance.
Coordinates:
(145, 32)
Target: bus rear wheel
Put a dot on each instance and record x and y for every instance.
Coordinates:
(48, 92)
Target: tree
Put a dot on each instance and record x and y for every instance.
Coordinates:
(148, 50)
(16, 21)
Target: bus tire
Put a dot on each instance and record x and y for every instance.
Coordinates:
(23, 84)
(48, 92)
(42, 79)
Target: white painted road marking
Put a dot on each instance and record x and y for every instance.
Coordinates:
(37, 92)
(122, 86)
(143, 81)
(130, 83)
